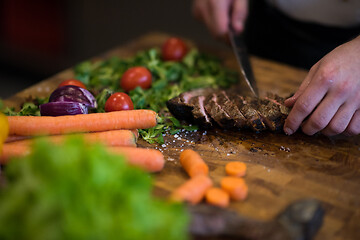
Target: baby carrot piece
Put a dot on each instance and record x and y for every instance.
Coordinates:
(94, 122)
(109, 138)
(151, 160)
(236, 169)
(235, 186)
(193, 190)
(217, 197)
(193, 164)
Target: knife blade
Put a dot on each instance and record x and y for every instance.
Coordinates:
(242, 58)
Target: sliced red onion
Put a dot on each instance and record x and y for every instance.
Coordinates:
(71, 93)
(62, 108)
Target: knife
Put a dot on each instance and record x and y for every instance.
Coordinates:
(239, 48)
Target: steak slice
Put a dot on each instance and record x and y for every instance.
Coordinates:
(200, 116)
(250, 113)
(181, 107)
(278, 101)
(217, 113)
(232, 110)
(270, 114)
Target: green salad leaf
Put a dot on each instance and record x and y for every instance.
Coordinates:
(79, 191)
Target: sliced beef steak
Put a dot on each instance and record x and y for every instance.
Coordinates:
(229, 110)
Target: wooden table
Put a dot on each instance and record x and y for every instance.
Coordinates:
(281, 169)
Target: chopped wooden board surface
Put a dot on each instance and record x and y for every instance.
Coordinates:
(281, 169)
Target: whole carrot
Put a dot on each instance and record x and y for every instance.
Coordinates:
(94, 122)
(109, 138)
(236, 169)
(151, 160)
(235, 186)
(217, 197)
(193, 164)
(193, 190)
(13, 150)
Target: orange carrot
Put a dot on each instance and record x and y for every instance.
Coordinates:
(14, 138)
(193, 164)
(13, 150)
(151, 160)
(236, 169)
(94, 122)
(217, 197)
(109, 138)
(235, 186)
(193, 190)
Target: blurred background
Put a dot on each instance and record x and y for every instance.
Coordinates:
(39, 38)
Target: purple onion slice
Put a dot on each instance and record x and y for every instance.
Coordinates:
(62, 108)
(71, 93)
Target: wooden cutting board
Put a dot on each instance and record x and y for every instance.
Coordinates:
(281, 169)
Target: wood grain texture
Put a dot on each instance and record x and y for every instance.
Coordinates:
(281, 169)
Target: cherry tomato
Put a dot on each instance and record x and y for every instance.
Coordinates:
(72, 82)
(136, 76)
(174, 49)
(118, 101)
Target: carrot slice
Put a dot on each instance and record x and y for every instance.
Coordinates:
(151, 160)
(193, 164)
(236, 169)
(94, 122)
(193, 190)
(109, 138)
(235, 186)
(217, 197)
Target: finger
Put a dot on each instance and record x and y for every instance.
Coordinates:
(307, 102)
(219, 10)
(201, 11)
(354, 126)
(340, 121)
(328, 108)
(239, 14)
(291, 101)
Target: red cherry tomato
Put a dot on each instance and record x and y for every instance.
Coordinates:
(72, 82)
(136, 76)
(174, 49)
(118, 101)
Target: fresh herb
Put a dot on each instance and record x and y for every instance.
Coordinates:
(79, 191)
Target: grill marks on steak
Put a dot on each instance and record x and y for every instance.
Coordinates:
(209, 107)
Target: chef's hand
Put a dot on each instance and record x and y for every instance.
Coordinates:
(215, 15)
(328, 100)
